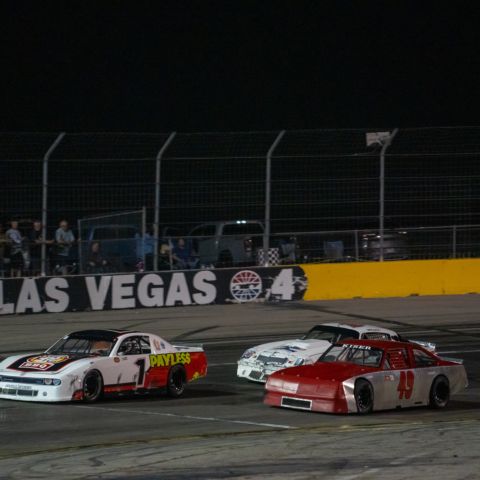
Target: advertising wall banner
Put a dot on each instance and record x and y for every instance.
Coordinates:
(151, 289)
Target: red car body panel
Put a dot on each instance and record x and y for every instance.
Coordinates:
(325, 386)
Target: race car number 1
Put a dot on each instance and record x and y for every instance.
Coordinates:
(405, 385)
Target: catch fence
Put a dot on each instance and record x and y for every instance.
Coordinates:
(317, 195)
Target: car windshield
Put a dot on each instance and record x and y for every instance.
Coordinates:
(330, 334)
(357, 354)
(81, 346)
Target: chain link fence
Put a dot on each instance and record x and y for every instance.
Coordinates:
(238, 198)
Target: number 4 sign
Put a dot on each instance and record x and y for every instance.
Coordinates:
(405, 385)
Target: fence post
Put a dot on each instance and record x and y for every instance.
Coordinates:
(454, 241)
(356, 246)
(158, 165)
(381, 222)
(46, 158)
(268, 193)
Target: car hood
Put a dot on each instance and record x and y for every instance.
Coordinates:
(289, 348)
(40, 362)
(335, 371)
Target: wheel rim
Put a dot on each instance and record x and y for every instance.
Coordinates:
(364, 398)
(441, 393)
(91, 386)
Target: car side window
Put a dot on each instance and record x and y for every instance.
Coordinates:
(422, 359)
(130, 346)
(145, 345)
(376, 336)
(397, 359)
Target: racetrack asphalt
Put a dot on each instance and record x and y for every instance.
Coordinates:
(220, 428)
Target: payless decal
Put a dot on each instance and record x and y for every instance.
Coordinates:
(169, 359)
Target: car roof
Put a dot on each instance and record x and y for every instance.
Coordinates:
(110, 335)
(382, 344)
(357, 328)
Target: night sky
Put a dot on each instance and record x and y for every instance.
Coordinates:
(204, 66)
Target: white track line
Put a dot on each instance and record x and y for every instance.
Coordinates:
(419, 332)
(221, 364)
(459, 351)
(188, 417)
(464, 328)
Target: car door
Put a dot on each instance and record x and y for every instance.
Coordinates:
(398, 380)
(133, 354)
(426, 370)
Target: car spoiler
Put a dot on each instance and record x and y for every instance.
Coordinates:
(427, 345)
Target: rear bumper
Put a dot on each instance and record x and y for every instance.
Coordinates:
(298, 402)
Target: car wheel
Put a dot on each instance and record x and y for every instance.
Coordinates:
(177, 380)
(364, 396)
(92, 386)
(440, 392)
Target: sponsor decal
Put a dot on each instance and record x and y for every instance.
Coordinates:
(246, 285)
(291, 348)
(43, 362)
(357, 347)
(169, 359)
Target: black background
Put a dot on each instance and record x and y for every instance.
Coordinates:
(205, 65)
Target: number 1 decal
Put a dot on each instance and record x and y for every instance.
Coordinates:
(141, 364)
(405, 385)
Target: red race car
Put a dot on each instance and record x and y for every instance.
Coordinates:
(361, 376)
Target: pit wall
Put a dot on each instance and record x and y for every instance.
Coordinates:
(392, 279)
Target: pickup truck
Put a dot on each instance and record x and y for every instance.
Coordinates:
(227, 243)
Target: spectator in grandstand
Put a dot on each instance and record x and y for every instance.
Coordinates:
(183, 255)
(64, 240)
(35, 236)
(19, 254)
(96, 263)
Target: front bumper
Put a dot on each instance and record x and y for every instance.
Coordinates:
(17, 390)
(299, 402)
(256, 371)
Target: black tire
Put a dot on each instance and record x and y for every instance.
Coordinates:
(92, 386)
(440, 392)
(363, 396)
(177, 380)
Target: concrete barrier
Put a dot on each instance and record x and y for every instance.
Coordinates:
(392, 279)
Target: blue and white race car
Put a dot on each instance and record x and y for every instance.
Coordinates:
(257, 363)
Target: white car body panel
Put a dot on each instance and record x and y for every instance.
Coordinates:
(116, 369)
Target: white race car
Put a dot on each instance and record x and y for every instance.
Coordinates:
(87, 364)
(257, 363)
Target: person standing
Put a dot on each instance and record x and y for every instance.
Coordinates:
(19, 257)
(36, 239)
(64, 240)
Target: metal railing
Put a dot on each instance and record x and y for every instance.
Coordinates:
(320, 186)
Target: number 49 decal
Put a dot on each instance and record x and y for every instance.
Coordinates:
(405, 385)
